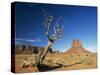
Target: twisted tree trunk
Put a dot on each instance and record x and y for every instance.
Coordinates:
(42, 54)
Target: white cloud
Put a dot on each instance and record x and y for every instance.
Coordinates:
(35, 40)
(28, 40)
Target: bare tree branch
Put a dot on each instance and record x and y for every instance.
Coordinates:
(58, 33)
(58, 30)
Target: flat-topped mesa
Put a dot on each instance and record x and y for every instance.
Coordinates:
(76, 47)
(76, 44)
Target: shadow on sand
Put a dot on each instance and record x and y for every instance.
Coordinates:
(45, 67)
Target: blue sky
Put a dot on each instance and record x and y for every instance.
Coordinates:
(80, 22)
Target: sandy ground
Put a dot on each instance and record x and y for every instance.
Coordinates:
(57, 62)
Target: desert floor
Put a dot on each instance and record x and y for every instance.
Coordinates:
(56, 62)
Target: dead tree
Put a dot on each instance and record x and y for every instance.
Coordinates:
(58, 33)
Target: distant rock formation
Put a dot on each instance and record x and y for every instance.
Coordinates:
(27, 49)
(76, 47)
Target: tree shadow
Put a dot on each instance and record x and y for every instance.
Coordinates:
(73, 64)
(45, 67)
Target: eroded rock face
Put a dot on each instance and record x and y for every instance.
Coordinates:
(76, 47)
(27, 49)
(76, 44)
